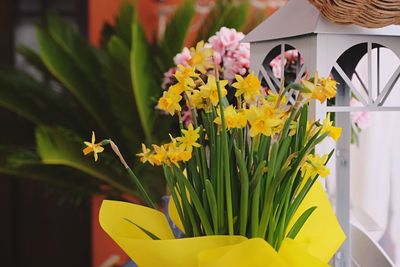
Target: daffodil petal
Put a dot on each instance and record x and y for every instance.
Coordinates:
(87, 150)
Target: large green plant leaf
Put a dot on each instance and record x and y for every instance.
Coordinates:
(76, 47)
(117, 73)
(58, 146)
(62, 66)
(176, 32)
(122, 27)
(83, 76)
(144, 83)
(123, 23)
(226, 13)
(33, 58)
(120, 52)
(35, 101)
(25, 163)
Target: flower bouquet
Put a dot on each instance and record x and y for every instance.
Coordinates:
(230, 55)
(242, 177)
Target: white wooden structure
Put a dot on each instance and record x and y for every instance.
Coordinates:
(329, 49)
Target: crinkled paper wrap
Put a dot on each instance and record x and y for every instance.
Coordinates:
(314, 245)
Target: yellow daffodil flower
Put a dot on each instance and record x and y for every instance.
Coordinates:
(185, 155)
(185, 75)
(197, 100)
(315, 165)
(311, 129)
(93, 147)
(179, 88)
(189, 138)
(272, 98)
(262, 122)
(249, 87)
(292, 128)
(233, 118)
(327, 127)
(146, 155)
(169, 102)
(160, 155)
(210, 90)
(201, 57)
(321, 89)
(176, 153)
(173, 153)
(329, 87)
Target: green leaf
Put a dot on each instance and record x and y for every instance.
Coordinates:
(196, 202)
(244, 193)
(150, 234)
(176, 32)
(212, 201)
(298, 87)
(300, 222)
(171, 185)
(33, 58)
(255, 181)
(282, 154)
(36, 102)
(62, 66)
(255, 210)
(123, 23)
(24, 163)
(225, 13)
(116, 71)
(144, 83)
(75, 46)
(120, 52)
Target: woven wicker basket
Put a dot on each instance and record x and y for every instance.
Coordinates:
(366, 13)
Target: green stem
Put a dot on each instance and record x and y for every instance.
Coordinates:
(220, 184)
(244, 194)
(142, 191)
(255, 210)
(178, 204)
(226, 164)
(135, 180)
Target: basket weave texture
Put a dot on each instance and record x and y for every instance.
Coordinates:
(365, 13)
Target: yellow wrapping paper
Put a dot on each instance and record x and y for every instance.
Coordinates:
(314, 245)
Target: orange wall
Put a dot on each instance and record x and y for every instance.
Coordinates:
(101, 11)
(103, 247)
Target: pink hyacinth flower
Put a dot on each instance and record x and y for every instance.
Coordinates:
(186, 116)
(360, 118)
(183, 57)
(276, 65)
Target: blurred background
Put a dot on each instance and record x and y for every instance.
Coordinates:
(61, 60)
